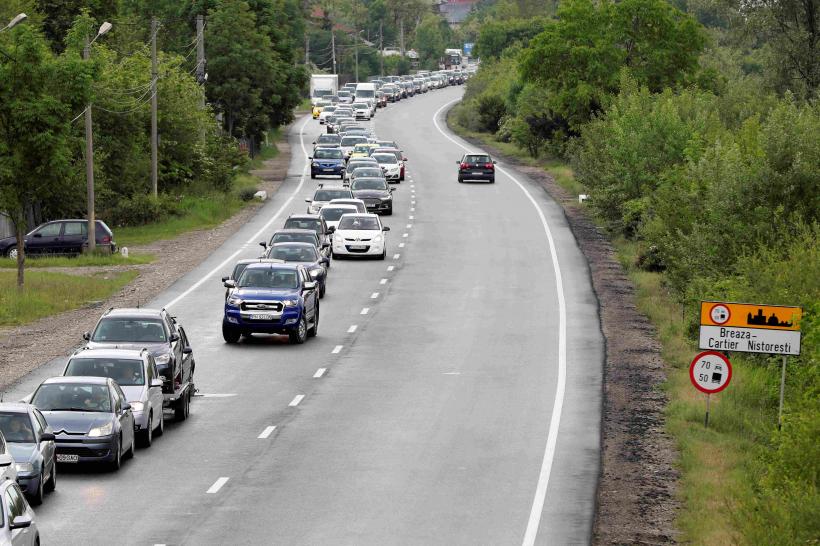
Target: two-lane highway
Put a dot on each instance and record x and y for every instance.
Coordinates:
(452, 395)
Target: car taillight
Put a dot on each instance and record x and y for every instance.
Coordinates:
(464, 166)
(489, 166)
(106, 239)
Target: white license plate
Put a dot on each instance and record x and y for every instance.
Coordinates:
(66, 458)
(477, 172)
(358, 247)
(328, 170)
(261, 317)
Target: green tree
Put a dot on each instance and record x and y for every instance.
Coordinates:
(432, 37)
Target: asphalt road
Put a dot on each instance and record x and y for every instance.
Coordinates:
(452, 396)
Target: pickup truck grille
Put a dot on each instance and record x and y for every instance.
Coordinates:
(262, 306)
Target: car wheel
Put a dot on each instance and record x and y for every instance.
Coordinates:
(147, 435)
(322, 288)
(312, 176)
(299, 335)
(131, 450)
(161, 426)
(37, 498)
(492, 180)
(460, 180)
(117, 462)
(11, 253)
(51, 485)
(390, 211)
(183, 408)
(315, 328)
(384, 254)
(229, 334)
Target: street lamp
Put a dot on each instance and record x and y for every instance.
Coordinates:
(89, 150)
(19, 18)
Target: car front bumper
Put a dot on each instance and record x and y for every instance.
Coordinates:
(89, 450)
(369, 249)
(284, 323)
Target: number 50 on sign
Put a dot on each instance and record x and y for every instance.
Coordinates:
(710, 372)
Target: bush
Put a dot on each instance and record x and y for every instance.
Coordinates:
(140, 210)
(246, 194)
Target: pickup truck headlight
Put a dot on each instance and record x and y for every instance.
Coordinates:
(162, 359)
(233, 300)
(291, 303)
(104, 430)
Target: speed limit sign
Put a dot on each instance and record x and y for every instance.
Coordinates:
(710, 372)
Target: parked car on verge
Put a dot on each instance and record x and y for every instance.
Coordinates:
(92, 419)
(272, 299)
(60, 237)
(30, 441)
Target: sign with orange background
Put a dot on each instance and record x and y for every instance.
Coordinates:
(749, 315)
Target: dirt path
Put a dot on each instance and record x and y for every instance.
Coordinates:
(25, 348)
(636, 493)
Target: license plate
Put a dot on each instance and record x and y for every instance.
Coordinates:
(358, 247)
(261, 317)
(66, 458)
(477, 172)
(328, 170)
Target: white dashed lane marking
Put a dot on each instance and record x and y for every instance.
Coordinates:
(319, 373)
(374, 295)
(337, 349)
(296, 400)
(383, 281)
(352, 329)
(217, 485)
(365, 310)
(267, 432)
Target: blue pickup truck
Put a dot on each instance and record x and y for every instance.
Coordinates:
(272, 298)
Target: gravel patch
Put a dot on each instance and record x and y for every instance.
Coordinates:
(25, 348)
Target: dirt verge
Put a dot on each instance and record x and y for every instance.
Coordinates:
(25, 348)
(636, 502)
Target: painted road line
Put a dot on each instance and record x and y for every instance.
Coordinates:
(411, 217)
(405, 235)
(374, 295)
(214, 395)
(412, 209)
(391, 267)
(537, 508)
(365, 310)
(217, 485)
(401, 245)
(319, 373)
(409, 226)
(383, 281)
(337, 349)
(296, 400)
(352, 329)
(396, 256)
(267, 432)
(412, 202)
(263, 230)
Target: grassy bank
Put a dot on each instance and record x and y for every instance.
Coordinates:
(83, 260)
(49, 293)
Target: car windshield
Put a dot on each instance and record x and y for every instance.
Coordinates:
(72, 397)
(361, 148)
(127, 372)
(327, 195)
(16, 427)
(476, 159)
(366, 171)
(369, 184)
(384, 158)
(328, 139)
(353, 140)
(328, 153)
(313, 225)
(294, 253)
(332, 214)
(359, 222)
(268, 278)
(291, 238)
(360, 106)
(365, 93)
(130, 329)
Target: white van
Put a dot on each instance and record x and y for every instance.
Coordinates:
(366, 92)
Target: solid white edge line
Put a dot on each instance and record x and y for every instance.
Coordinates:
(296, 400)
(319, 373)
(217, 485)
(256, 235)
(267, 432)
(537, 509)
(337, 349)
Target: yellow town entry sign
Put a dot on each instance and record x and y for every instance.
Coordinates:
(750, 328)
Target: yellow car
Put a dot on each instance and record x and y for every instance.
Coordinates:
(318, 107)
(363, 150)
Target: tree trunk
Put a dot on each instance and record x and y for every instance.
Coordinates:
(20, 232)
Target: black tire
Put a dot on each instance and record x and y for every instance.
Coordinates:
(147, 435)
(183, 407)
(132, 450)
(299, 335)
(312, 176)
(384, 254)
(37, 498)
(389, 211)
(161, 427)
(116, 464)
(492, 180)
(230, 335)
(460, 180)
(322, 289)
(51, 485)
(314, 330)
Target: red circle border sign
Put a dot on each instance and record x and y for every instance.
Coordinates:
(728, 312)
(692, 371)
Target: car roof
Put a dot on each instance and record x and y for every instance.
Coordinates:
(331, 188)
(345, 201)
(108, 353)
(134, 312)
(246, 261)
(76, 379)
(15, 407)
(293, 243)
(360, 214)
(293, 230)
(304, 217)
(330, 206)
(285, 265)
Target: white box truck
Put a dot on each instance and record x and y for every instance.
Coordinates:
(323, 85)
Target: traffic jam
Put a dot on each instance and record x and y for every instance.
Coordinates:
(135, 369)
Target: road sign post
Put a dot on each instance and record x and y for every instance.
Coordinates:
(782, 391)
(710, 373)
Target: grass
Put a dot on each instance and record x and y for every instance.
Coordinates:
(47, 293)
(83, 260)
(268, 150)
(304, 106)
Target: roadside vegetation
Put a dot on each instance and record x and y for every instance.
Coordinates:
(47, 293)
(695, 134)
(84, 260)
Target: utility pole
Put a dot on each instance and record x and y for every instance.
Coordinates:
(356, 51)
(200, 53)
(154, 152)
(401, 36)
(89, 165)
(307, 49)
(333, 49)
(381, 48)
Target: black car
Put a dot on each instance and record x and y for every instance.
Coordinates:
(296, 236)
(313, 222)
(60, 237)
(476, 167)
(152, 329)
(306, 255)
(91, 418)
(375, 192)
(30, 440)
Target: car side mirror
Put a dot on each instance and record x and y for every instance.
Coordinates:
(225, 279)
(311, 285)
(126, 406)
(156, 382)
(385, 228)
(47, 437)
(458, 162)
(263, 244)
(325, 261)
(187, 351)
(310, 157)
(87, 336)
(494, 162)
(174, 338)
(20, 522)
(229, 283)
(6, 459)
(325, 245)
(331, 229)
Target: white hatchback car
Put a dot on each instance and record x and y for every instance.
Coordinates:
(332, 213)
(360, 235)
(389, 164)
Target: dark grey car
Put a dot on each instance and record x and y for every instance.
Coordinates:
(30, 441)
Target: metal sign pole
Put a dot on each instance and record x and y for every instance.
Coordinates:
(782, 389)
(706, 421)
